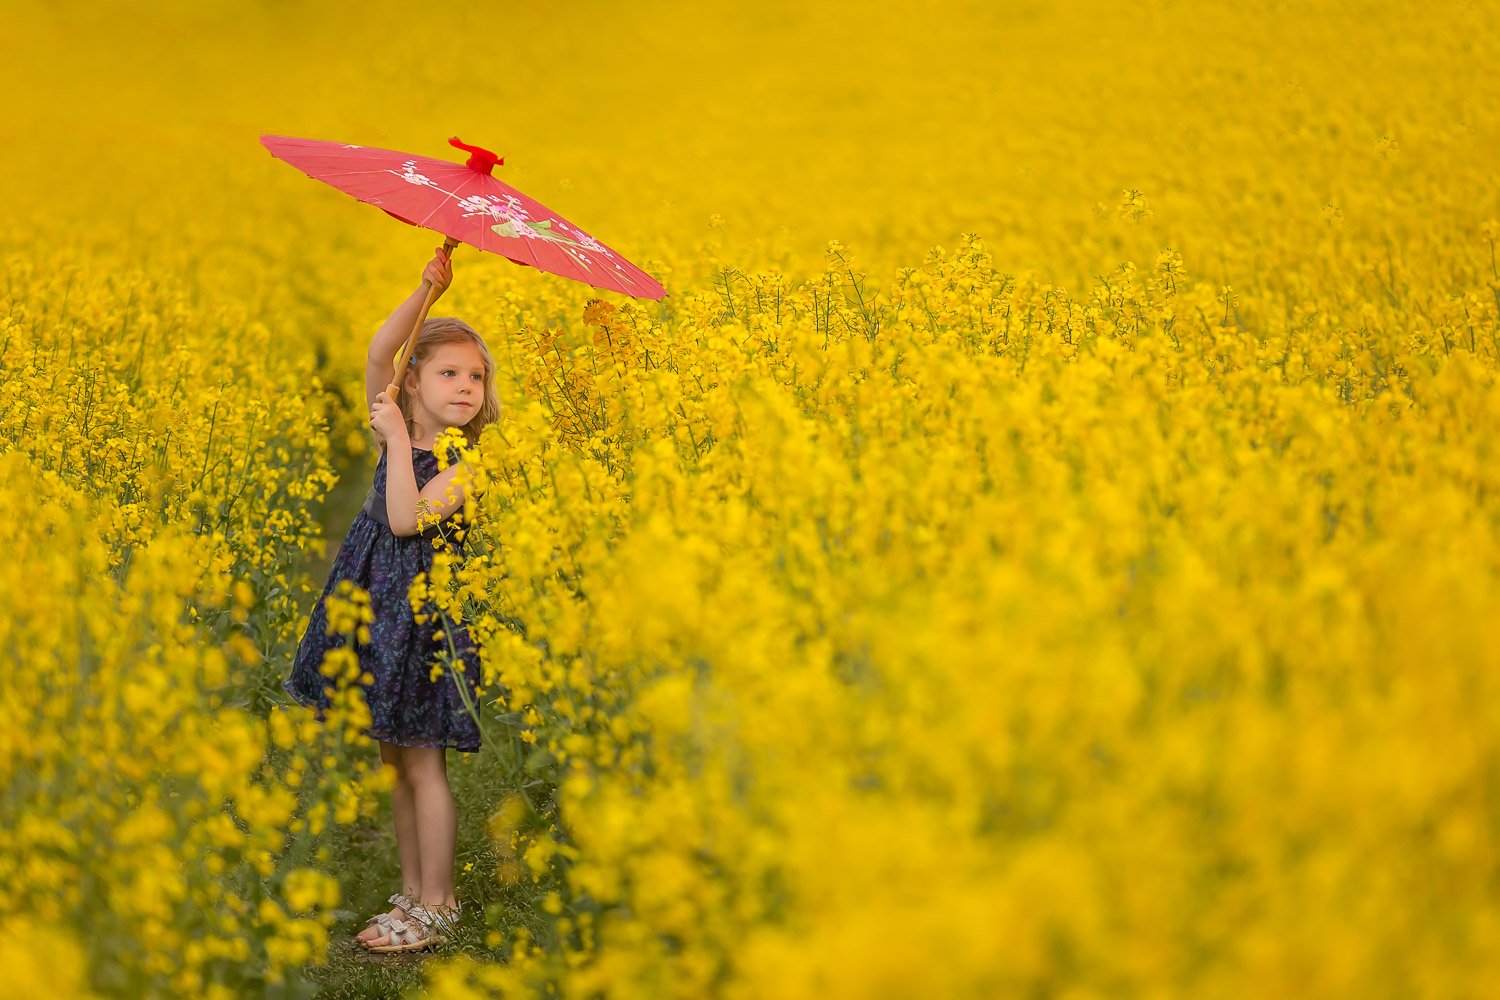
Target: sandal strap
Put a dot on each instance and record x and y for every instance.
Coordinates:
(407, 932)
(414, 931)
(444, 918)
(402, 900)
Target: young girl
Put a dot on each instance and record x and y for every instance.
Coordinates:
(449, 383)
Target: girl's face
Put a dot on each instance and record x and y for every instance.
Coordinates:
(450, 387)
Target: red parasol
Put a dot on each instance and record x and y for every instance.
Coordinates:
(463, 202)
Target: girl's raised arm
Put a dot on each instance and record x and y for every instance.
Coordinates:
(380, 363)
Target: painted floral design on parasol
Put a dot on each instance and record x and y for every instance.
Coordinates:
(514, 220)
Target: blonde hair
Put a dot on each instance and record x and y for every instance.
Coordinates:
(436, 332)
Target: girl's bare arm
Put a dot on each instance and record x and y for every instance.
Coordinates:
(380, 364)
(400, 478)
(400, 487)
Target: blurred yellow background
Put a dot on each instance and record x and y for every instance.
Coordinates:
(1044, 544)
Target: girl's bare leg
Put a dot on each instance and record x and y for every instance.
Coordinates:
(404, 812)
(437, 822)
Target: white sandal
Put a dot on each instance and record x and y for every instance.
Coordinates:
(384, 919)
(417, 934)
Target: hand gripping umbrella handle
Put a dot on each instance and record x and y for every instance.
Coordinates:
(411, 340)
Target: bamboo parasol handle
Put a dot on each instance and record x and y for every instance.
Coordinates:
(411, 340)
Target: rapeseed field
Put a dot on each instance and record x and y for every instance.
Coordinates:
(1046, 543)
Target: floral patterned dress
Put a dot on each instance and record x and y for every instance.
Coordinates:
(407, 707)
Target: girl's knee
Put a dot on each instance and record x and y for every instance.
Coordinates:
(425, 763)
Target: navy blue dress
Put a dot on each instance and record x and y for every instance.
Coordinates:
(407, 707)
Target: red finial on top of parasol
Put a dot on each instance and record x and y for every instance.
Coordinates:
(480, 159)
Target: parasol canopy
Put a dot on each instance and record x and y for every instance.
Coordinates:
(468, 204)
